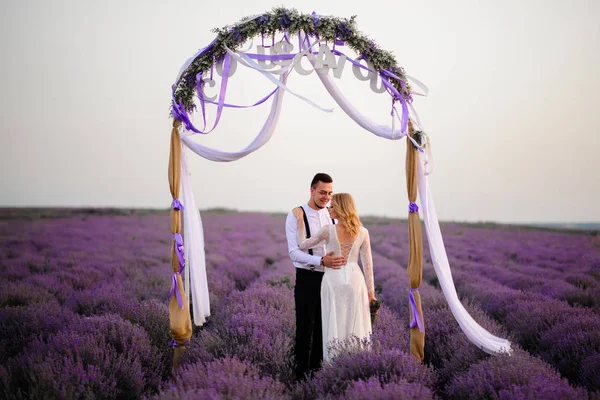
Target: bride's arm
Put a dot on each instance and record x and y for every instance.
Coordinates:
(291, 233)
(313, 241)
(367, 261)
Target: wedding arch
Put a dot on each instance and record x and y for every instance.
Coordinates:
(320, 39)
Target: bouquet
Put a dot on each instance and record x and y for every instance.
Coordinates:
(374, 306)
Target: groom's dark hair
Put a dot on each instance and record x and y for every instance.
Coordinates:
(320, 177)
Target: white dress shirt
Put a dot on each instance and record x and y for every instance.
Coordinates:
(316, 220)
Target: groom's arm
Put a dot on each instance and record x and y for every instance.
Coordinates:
(297, 255)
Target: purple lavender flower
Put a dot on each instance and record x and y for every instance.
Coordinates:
(343, 30)
(375, 389)
(385, 364)
(315, 19)
(94, 355)
(285, 19)
(236, 34)
(263, 19)
(225, 378)
(501, 374)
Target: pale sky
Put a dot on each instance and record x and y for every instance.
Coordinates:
(512, 111)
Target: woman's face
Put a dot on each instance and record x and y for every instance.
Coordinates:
(331, 209)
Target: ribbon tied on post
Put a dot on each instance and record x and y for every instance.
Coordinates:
(413, 207)
(415, 319)
(181, 257)
(177, 205)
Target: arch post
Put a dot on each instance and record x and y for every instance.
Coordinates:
(415, 260)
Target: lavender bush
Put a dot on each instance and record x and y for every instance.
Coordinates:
(102, 356)
(488, 379)
(83, 312)
(255, 325)
(227, 378)
(385, 365)
(375, 389)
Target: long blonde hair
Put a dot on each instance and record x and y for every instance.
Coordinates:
(343, 205)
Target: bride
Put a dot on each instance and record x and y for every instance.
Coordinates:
(345, 292)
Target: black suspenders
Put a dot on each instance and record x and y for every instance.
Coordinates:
(307, 227)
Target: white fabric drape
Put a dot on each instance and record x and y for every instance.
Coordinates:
(475, 332)
(365, 122)
(260, 140)
(195, 272)
(383, 131)
(248, 62)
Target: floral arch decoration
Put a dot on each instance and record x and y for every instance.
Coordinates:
(313, 33)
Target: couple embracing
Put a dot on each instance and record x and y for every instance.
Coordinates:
(331, 295)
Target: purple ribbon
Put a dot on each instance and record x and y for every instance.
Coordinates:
(180, 113)
(397, 96)
(175, 290)
(394, 92)
(200, 53)
(177, 205)
(179, 251)
(355, 62)
(413, 207)
(271, 57)
(415, 320)
(253, 105)
(260, 57)
(181, 257)
(200, 93)
(178, 109)
(225, 78)
(173, 343)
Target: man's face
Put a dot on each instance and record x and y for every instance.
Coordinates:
(321, 194)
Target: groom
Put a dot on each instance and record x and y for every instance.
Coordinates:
(310, 266)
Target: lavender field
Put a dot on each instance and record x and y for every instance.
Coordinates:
(83, 312)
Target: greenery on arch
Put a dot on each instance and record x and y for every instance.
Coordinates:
(291, 22)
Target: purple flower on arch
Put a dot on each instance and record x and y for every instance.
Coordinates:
(343, 30)
(315, 19)
(263, 19)
(236, 34)
(189, 79)
(284, 19)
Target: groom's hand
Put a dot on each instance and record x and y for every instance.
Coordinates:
(335, 262)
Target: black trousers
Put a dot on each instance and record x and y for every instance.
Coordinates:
(309, 333)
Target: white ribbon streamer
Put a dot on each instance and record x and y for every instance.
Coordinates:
(414, 117)
(379, 130)
(420, 84)
(195, 273)
(474, 332)
(240, 56)
(260, 140)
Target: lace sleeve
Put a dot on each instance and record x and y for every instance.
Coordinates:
(322, 236)
(366, 259)
(301, 232)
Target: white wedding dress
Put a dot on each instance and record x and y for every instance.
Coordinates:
(344, 292)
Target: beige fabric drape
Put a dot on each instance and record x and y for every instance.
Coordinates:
(415, 241)
(180, 320)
